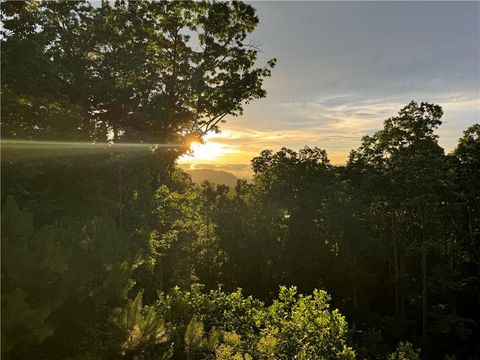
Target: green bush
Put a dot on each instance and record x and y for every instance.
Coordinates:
(405, 351)
(219, 325)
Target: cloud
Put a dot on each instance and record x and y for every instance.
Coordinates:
(335, 123)
(343, 68)
(354, 115)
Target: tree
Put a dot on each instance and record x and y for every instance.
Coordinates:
(173, 241)
(165, 72)
(467, 156)
(304, 327)
(466, 166)
(34, 102)
(410, 170)
(146, 331)
(32, 271)
(297, 186)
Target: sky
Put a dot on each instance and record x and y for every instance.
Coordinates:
(343, 68)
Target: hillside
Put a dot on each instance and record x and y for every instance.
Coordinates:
(214, 176)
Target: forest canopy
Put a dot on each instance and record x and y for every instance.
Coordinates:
(111, 251)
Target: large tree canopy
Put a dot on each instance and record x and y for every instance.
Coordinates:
(129, 71)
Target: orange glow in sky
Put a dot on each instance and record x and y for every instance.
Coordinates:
(207, 151)
(210, 151)
(233, 149)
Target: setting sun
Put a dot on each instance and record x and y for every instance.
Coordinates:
(205, 152)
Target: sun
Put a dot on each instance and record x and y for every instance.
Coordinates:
(206, 152)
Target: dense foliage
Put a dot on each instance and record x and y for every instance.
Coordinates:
(392, 236)
(112, 251)
(66, 296)
(158, 72)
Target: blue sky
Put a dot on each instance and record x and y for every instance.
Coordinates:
(344, 67)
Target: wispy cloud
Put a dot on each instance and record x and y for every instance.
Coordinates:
(335, 123)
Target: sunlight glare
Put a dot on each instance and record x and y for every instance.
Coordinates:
(206, 152)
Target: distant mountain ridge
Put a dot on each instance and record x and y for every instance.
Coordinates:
(214, 176)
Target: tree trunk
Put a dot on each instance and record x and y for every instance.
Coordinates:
(115, 133)
(424, 277)
(396, 267)
(476, 247)
(209, 260)
(424, 292)
(401, 285)
(160, 274)
(120, 198)
(355, 296)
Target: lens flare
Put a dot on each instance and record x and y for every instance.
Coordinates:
(32, 149)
